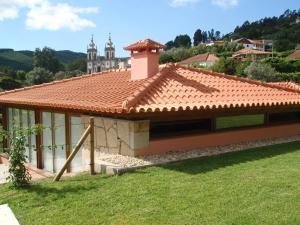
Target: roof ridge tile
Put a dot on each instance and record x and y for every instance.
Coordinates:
(131, 100)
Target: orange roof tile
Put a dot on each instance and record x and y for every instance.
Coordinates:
(174, 88)
(200, 58)
(246, 51)
(289, 84)
(144, 44)
(295, 55)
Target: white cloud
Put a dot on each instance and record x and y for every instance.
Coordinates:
(44, 15)
(226, 4)
(179, 3)
(221, 3)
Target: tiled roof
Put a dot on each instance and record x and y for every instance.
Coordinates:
(289, 84)
(174, 88)
(200, 58)
(246, 51)
(144, 44)
(295, 55)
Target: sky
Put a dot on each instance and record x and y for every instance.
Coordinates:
(69, 24)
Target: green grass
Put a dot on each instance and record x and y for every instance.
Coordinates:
(258, 186)
(239, 121)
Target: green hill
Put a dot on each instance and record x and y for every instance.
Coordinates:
(282, 29)
(22, 60)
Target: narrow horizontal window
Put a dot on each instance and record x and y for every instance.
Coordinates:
(160, 129)
(239, 121)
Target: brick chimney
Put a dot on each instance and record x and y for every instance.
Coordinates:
(144, 58)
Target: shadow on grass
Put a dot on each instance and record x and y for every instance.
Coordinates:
(60, 189)
(210, 163)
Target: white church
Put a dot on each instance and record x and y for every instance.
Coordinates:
(97, 63)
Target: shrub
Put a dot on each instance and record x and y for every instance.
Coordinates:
(227, 66)
(261, 71)
(18, 173)
(38, 76)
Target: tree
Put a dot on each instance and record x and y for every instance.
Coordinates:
(204, 36)
(224, 65)
(38, 76)
(170, 45)
(47, 59)
(218, 35)
(7, 83)
(78, 64)
(262, 71)
(197, 37)
(183, 41)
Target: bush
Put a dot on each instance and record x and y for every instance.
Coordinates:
(294, 77)
(18, 173)
(38, 76)
(227, 66)
(261, 71)
(284, 65)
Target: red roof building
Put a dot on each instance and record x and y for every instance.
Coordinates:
(294, 55)
(205, 60)
(151, 109)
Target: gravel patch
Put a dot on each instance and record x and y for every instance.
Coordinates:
(131, 162)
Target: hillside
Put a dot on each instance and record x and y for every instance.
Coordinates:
(22, 60)
(282, 29)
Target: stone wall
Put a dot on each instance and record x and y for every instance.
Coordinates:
(116, 136)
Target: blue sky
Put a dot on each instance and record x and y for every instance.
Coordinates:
(69, 24)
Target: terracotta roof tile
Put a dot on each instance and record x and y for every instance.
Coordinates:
(295, 55)
(173, 88)
(144, 44)
(246, 51)
(200, 58)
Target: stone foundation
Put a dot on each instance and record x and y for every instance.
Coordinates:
(114, 136)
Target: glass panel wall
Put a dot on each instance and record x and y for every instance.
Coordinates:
(24, 119)
(47, 142)
(77, 130)
(54, 141)
(60, 141)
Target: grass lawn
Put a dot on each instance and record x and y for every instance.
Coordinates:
(257, 186)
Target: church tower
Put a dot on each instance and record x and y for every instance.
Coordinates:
(92, 58)
(109, 54)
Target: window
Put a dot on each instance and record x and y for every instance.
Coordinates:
(285, 117)
(239, 121)
(177, 128)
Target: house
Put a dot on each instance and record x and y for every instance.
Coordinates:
(294, 55)
(252, 54)
(148, 109)
(261, 45)
(205, 60)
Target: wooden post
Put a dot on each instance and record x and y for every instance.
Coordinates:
(92, 143)
(74, 152)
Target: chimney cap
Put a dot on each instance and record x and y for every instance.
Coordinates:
(145, 44)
